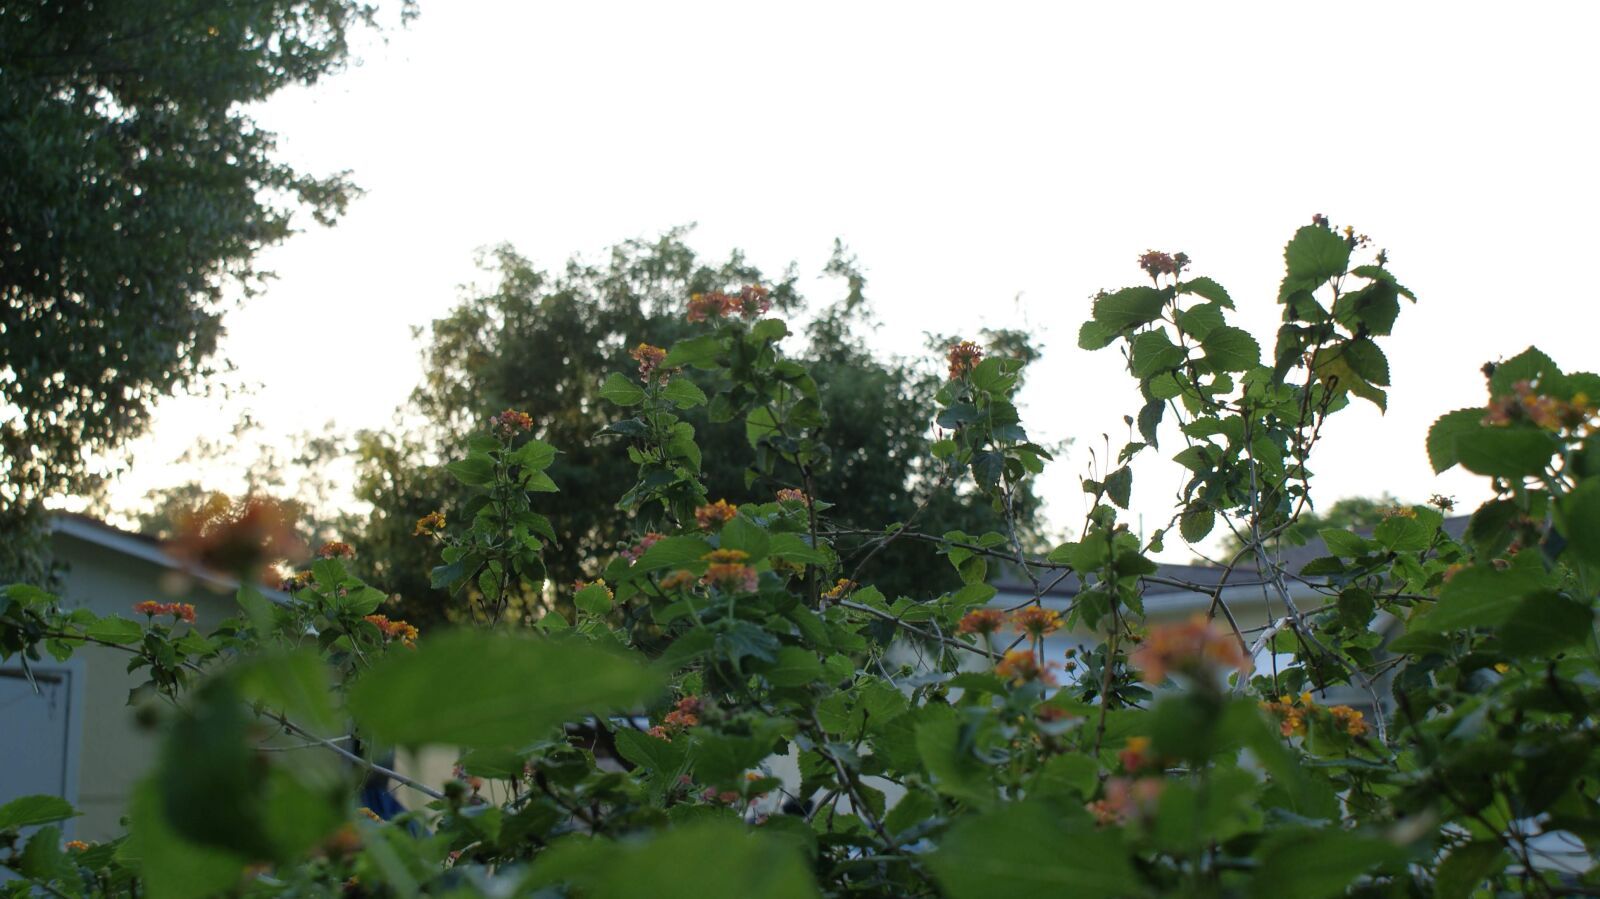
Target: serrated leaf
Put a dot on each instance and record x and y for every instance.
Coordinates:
(1312, 256)
(1208, 289)
(1231, 349)
(621, 390)
(700, 352)
(116, 629)
(1444, 432)
(27, 811)
(683, 393)
(1128, 308)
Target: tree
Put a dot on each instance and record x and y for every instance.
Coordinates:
(135, 195)
(543, 344)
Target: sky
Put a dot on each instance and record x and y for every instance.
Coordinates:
(989, 164)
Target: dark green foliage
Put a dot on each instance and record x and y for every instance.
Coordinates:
(555, 345)
(135, 194)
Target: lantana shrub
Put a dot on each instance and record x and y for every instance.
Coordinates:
(731, 712)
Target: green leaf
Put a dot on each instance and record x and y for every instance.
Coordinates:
(653, 754)
(1483, 596)
(1119, 484)
(1366, 359)
(594, 599)
(1312, 256)
(534, 454)
(116, 629)
(683, 393)
(700, 352)
(294, 683)
(769, 329)
(1466, 867)
(671, 552)
(1401, 534)
(795, 667)
(1345, 544)
(1505, 452)
(1094, 335)
(1201, 320)
(759, 425)
(474, 471)
(1197, 521)
(794, 548)
(1207, 289)
(947, 757)
(1580, 521)
(172, 867)
(743, 534)
(1528, 365)
(1543, 623)
(1032, 849)
(1315, 864)
(713, 859)
(39, 808)
(482, 690)
(621, 390)
(1154, 351)
(1231, 349)
(1130, 307)
(1445, 431)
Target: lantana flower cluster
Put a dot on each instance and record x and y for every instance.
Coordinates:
(728, 571)
(1526, 404)
(1034, 621)
(510, 423)
(963, 358)
(431, 523)
(397, 630)
(718, 513)
(178, 610)
(1195, 648)
(751, 301)
(336, 549)
(684, 715)
(1292, 713)
(633, 552)
(1156, 263)
(650, 359)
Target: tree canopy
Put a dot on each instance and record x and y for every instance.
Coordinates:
(543, 342)
(135, 195)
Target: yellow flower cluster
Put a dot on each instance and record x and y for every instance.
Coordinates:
(714, 514)
(397, 629)
(431, 523)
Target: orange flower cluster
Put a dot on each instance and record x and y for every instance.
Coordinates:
(395, 630)
(1350, 720)
(1036, 622)
(1020, 666)
(510, 423)
(1292, 712)
(431, 523)
(981, 621)
(717, 513)
(633, 552)
(1400, 512)
(793, 495)
(238, 538)
(369, 814)
(750, 301)
(1156, 264)
(76, 846)
(732, 576)
(177, 610)
(1547, 412)
(1135, 754)
(841, 588)
(1194, 648)
(684, 715)
(649, 359)
(1127, 799)
(336, 549)
(963, 358)
(677, 579)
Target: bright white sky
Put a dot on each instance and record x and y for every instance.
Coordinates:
(989, 164)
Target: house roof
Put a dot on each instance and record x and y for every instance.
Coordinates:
(1174, 582)
(92, 530)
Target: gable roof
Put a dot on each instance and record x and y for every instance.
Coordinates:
(91, 530)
